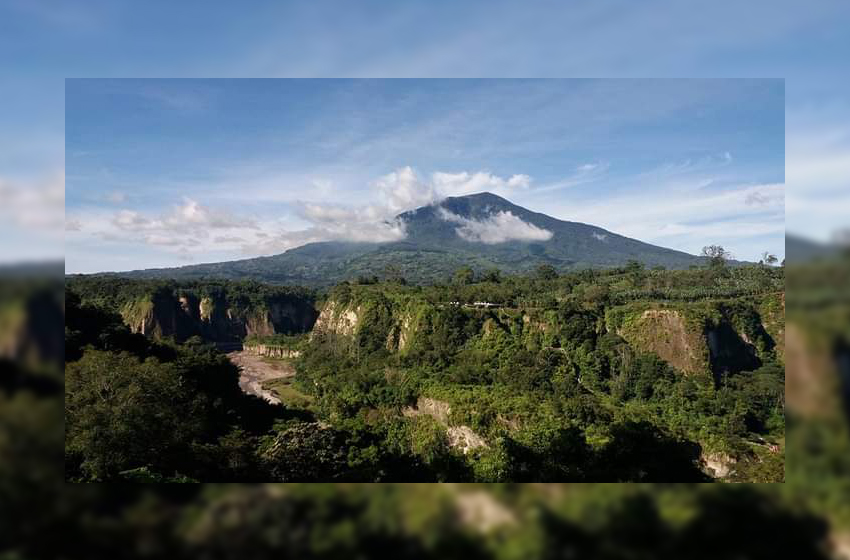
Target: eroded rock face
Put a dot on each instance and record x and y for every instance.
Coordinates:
(460, 437)
(698, 345)
(337, 319)
(481, 511)
(812, 383)
(463, 438)
(438, 410)
(272, 351)
(406, 331)
(730, 351)
(666, 333)
(718, 465)
(184, 316)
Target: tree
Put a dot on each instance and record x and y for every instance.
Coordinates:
(464, 276)
(365, 279)
(493, 275)
(392, 274)
(546, 272)
(636, 271)
(769, 258)
(716, 254)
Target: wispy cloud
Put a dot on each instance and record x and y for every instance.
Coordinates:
(37, 206)
(688, 218)
(395, 193)
(187, 226)
(496, 228)
(584, 173)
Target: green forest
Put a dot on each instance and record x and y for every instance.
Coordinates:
(487, 377)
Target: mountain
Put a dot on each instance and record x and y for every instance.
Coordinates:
(800, 250)
(482, 231)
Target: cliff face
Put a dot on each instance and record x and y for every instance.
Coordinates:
(716, 338)
(709, 338)
(272, 351)
(665, 333)
(337, 318)
(215, 319)
(361, 323)
(30, 330)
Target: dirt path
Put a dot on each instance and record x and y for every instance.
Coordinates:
(254, 370)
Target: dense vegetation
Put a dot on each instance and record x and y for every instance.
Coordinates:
(529, 368)
(569, 400)
(114, 292)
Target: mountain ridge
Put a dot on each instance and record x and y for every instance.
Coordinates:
(481, 230)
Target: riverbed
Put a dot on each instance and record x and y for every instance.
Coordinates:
(254, 370)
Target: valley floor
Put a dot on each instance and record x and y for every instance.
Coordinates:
(254, 370)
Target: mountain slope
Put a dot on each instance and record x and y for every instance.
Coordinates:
(481, 231)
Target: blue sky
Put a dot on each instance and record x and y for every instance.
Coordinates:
(165, 172)
(44, 41)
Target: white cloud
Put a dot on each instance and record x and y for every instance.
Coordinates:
(817, 166)
(600, 236)
(131, 221)
(687, 218)
(496, 228)
(398, 192)
(36, 206)
(357, 232)
(403, 190)
(180, 228)
(192, 214)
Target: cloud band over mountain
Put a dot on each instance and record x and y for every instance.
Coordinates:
(497, 228)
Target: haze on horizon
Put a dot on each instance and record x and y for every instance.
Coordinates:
(162, 173)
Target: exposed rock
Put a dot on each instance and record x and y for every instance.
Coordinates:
(718, 465)
(439, 410)
(812, 383)
(840, 544)
(463, 438)
(666, 333)
(164, 314)
(460, 437)
(272, 351)
(405, 332)
(337, 319)
(480, 510)
(695, 344)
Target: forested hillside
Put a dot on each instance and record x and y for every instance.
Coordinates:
(625, 374)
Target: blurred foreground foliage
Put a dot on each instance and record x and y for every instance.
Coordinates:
(42, 517)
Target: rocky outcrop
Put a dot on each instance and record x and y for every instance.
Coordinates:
(718, 465)
(337, 319)
(459, 437)
(665, 333)
(480, 510)
(463, 438)
(182, 316)
(716, 340)
(272, 351)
